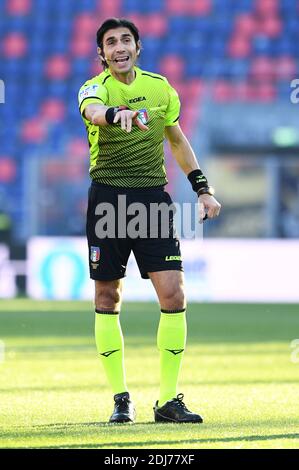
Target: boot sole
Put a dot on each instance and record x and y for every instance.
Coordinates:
(163, 419)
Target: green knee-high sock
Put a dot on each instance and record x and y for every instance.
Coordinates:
(171, 341)
(110, 346)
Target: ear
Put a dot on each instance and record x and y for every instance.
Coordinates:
(138, 47)
(99, 51)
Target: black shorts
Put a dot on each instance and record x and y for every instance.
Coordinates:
(113, 231)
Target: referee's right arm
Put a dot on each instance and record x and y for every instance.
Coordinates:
(97, 115)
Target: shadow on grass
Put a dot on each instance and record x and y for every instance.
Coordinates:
(140, 444)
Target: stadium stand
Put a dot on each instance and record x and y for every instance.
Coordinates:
(245, 51)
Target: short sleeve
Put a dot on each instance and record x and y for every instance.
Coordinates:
(173, 108)
(91, 93)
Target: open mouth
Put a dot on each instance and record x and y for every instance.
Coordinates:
(121, 59)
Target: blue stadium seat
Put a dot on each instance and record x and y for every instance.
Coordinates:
(236, 69)
(262, 45)
(16, 24)
(180, 25)
(202, 41)
(132, 6)
(243, 6)
(153, 6)
(285, 46)
(194, 69)
(83, 5)
(56, 88)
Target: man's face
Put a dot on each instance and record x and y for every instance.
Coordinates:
(119, 49)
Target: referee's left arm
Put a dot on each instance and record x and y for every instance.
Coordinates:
(184, 155)
(181, 149)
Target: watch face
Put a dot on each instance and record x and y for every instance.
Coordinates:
(208, 190)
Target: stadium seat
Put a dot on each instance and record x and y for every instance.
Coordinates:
(109, 9)
(270, 26)
(33, 130)
(246, 24)
(18, 7)
(262, 68)
(285, 68)
(57, 67)
(82, 46)
(244, 50)
(14, 45)
(52, 109)
(267, 7)
(239, 47)
(172, 66)
(8, 169)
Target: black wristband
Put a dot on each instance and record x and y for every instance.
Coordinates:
(110, 115)
(111, 112)
(198, 180)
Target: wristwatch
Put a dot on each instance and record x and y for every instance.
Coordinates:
(206, 190)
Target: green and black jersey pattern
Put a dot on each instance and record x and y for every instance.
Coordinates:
(134, 159)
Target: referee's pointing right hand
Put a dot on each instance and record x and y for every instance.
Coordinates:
(126, 118)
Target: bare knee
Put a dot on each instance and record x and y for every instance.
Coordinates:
(108, 295)
(173, 299)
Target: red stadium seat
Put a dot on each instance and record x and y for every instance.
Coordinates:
(270, 26)
(199, 7)
(239, 47)
(176, 7)
(18, 7)
(8, 169)
(139, 20)
(265, 92)
(95, 68)
(54, 170)
(109, 8)
(267, 7)
(86, 24)
(53, 110)
(196, 88)
(77, 148)
(155, 25)
(57, 67)
(262, 68)
(189, 7)
(14, 45)
(222, 91)
(172, 66)
(285, 68)
(82, 46)
(33, 130)
(245, 25)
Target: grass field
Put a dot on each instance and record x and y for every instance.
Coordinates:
(237, 373)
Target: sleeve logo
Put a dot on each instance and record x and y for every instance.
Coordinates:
(88, 92)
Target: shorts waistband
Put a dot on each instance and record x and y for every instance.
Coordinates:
(95, 184)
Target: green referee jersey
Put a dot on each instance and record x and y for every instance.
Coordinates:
(133, 159)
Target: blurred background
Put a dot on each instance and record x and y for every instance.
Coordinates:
(233, 63)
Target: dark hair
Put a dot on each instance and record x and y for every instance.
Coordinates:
(113, 23)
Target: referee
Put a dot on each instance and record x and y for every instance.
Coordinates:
(127, 113)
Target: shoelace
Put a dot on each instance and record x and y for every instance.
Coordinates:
(179, 400)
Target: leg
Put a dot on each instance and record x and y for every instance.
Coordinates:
(169, 286)
(108, 334)
(108, 295)
(172, 331)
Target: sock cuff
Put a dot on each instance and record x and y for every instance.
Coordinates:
(106, 312)
(181, 310)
